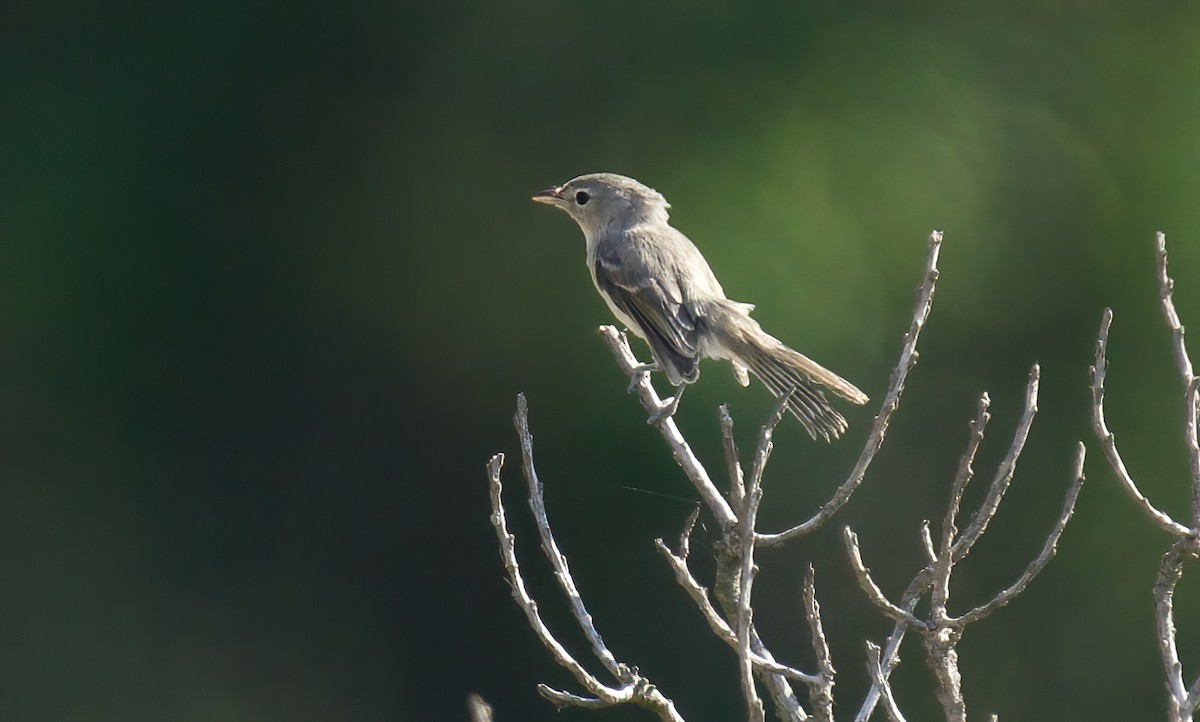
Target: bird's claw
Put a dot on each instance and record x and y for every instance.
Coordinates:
(637, 374)
(667, 409)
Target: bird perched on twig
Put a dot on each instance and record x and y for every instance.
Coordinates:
(658, 284)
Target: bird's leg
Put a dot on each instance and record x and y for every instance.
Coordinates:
(635, 376)
(668, 407)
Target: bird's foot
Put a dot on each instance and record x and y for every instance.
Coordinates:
(637, 374)
(667, 409)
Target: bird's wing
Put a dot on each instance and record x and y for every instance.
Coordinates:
(646, 290)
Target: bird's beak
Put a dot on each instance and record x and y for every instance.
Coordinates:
(550, 196)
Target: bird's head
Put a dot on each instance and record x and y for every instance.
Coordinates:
(600, 199)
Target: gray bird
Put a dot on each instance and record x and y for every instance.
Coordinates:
(658, 284)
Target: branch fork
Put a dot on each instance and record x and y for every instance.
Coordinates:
(1183, 701)
(941, 631)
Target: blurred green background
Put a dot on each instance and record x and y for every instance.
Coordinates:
(272, 282)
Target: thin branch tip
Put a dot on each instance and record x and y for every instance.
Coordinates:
(891, 401)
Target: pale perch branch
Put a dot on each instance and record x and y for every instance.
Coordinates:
(692, 468)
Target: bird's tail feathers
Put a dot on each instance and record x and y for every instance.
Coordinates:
(787, 373)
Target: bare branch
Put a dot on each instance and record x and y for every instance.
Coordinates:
(787, 706)
(1047, 553)
(927, 542)
(754, 705)
(748, 516)
(698, 594)
(942, 632)
(509, 556)
(695, 471)
(563, 699)
(875, 669)
(1108, 441)
(891, 649)
(965, 471)
(561, 571)
(634, 688)
(868, 585)
(891, 401)
(645, 695)
(699, 597)
(1192, 403)
(943, 564)
(1193, 700)
(685, 536)
(1166, 285)
(737, 485)
(1181, 702)
(941, 657)
(820, 693)
(1004, 473)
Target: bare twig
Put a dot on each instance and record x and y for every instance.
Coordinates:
(908, 359)
(1047, 553)
(965, 471)
(1004, 473)
(927, 542)
(1192, 402)
(509, 555)
(891, 649)
(561, 571)
(1166, 286)
(868, 585)
(685, 536)
(820, 693)
(1109, 443)
(747, 518)
(745, 614)
(944, 559)
(563, 699)
(875, 670)
(1182, 702)
(699, 597)
(737, 485)
(787, 706)
(942, 631)
(632, 687)
(692, 468)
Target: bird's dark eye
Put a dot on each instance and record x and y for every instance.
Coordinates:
(582, 197)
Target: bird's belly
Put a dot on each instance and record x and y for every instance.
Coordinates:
(625, 320)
